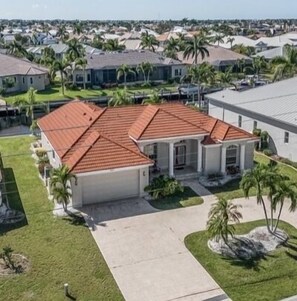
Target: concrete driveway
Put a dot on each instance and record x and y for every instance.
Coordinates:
(145, 251)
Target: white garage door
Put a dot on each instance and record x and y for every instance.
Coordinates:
(110, 187)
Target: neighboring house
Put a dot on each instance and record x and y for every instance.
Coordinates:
(115, 151)
(102, 68)
(23, 73)
(271, 108)
(219, 57)
(271, 53)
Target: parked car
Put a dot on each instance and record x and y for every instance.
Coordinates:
(186, 89)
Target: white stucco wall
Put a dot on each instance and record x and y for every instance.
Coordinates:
(212, 157)
(54, 159)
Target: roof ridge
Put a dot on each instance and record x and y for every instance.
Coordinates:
(88, 127)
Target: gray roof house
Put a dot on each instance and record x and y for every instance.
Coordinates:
(271, 108)
(102, 67)
(271, 53)
(23, 73)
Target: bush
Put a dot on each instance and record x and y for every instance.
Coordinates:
(163, 186)
(40, 152)
(257, 132)
(214, 176)
(268, 152)
(72, 87)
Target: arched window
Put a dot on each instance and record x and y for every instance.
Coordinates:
(232, 155)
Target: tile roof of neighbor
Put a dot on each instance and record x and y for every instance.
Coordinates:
(107, 60)
(276, 100)
(14, 66)
(88, 138)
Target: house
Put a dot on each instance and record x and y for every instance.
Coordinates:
(115, 151)
(102, 68)
(21, 74)
(219, 57)
(271, 108)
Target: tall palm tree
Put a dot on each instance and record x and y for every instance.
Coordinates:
(218, 38)
(258, 64)
(230, 40)
(146, 68)
(75, 49)
(120, 98)
(16, 49)
(59, 183)
(285, 66)
(97, 41)
(172, 48)
(78, 28)
(47, 56)
(112, 45)
(225, 79)
(62, 33)
(220, 215)
(82, 63)
(181, 38)
(148, 41)
(61, 67)
(123, 71)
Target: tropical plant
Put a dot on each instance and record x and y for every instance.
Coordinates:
(148, 41)
(112, 45)
(34, 127)
(172, 48)
(16, 49)
(230, 40)
(59, 183)
(82, 63)
(75, 49)
(78, 28)
(62, 33)
(258, 64)
(146, 68)
(120, 98)
(6, 255)
(154, 99)
(61, 67)
(285, 66)
(225, 79)
(123, 71)
(220, 215)
(218, 38)
(181, 39)
(163, 186)
(97, 41)
(245, 50)
(47, 56)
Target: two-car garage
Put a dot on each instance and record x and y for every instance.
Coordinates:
(110, 186)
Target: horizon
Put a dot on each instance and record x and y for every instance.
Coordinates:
(136, 10)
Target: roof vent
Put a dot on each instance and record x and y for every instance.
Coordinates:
(90, 119)
(84, 113)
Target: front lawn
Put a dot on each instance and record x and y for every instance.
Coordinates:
(182, 199)
(232, 190)
(60, 250)
(268, 279)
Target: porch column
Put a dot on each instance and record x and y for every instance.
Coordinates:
(171, 160)
(242, 157)
(199, 157)
(223, 159)
(141, 148)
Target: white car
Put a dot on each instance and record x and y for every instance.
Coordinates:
(188, 89)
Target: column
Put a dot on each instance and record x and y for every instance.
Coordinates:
(223, 159)
(141, 147)
(171, 159)
(199, 157)
(242, 157)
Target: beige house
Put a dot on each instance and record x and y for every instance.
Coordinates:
(18, 75)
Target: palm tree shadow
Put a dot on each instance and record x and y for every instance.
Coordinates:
(75, 219)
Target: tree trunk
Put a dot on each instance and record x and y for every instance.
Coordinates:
(266, 216)
(278, 217)
(125, 80)
(62, 80)
(84, 70)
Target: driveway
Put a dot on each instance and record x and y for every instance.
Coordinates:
(145, 251)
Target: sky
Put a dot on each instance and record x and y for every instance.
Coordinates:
(147, 9)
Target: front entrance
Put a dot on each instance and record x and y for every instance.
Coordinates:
(180, 156)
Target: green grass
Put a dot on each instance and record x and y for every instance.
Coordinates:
(60, 250)
(232, 190)
(55, 93)
(269, 279)
(179, 200)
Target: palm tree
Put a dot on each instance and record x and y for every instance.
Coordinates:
(59, 183)
(112, 45)
(82, 62)
(225, 79)
(153, 99)
(181, 38)
(172, 48)
(148, 41)
(123, 71)
(120, 98)
(75, 49)
(78, 28)
(62, 33)
(97, 41)
(230, 40)
(285, 66)
(61, 67)
(245, 50)
(146, 68)
(16, 49)
(47, 56)
(240, 63)
(258, 64)
(217, 39)
(220, 214)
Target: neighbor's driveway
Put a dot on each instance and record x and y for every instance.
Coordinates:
(145, 250)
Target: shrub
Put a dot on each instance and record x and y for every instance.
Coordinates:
(257, 132)
(40, 152)
(163, 186)
(214, 176)
(268, 152)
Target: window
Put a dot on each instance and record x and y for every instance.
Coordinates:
(151, 151)
(31, 80)
(23, 80)
(89, 77)
(239, 121)
(231, 155)
(177, 72)
(255, 126)
(54, 154)
(286, 138)
(15, 79)
(79, 78)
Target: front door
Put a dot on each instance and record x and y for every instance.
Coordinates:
(180, 155)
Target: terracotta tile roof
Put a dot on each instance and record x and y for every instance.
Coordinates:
(88, 138)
